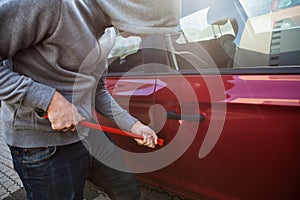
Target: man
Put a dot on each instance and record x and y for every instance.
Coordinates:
(53, 62)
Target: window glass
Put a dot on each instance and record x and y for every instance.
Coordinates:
(125, 54)
(227, 34)
(125, 46)
(251, 33)
(196, 28)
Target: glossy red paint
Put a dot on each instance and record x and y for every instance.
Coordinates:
(256, 154)
(265, 89)
(257, 149)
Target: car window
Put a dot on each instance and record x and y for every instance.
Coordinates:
(254, 34)
(228, 35)
(125, 46)
(137, 55)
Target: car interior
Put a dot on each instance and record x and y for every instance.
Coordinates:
(222, 44)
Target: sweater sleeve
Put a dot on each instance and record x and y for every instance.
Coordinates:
(107, 106)
(18, 89)
(24, 23)
(143, 16)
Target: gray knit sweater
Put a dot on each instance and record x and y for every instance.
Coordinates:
(61, 45)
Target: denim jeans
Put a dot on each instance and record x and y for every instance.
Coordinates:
(60, 173)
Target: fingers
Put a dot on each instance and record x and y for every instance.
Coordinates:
(149, 136)
(148, 141)
(62, 114)
(154, 136)
(70, 128)
(65, 127)
(67, 121)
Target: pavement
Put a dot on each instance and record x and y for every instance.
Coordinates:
(11, 187)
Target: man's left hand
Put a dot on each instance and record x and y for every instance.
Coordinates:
(150, 138)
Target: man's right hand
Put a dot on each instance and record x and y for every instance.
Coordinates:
(62, 114)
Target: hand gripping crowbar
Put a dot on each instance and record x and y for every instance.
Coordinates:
(91, 125)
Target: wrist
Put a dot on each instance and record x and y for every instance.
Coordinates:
(135, 126)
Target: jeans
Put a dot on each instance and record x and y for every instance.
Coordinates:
(60, 173)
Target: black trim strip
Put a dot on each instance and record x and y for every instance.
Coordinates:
(222, 71)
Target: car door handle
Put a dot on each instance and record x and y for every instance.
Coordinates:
(187, 117)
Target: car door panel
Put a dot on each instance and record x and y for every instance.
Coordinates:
(256, 148)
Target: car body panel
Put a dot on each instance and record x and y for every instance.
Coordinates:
(252, 157)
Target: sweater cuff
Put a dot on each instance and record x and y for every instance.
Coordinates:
(145, 30)
(125, 124)
(38, 96)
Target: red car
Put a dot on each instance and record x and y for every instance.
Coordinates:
(224, 94)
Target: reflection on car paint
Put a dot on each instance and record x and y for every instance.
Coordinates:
(138, 87)
(267, 90)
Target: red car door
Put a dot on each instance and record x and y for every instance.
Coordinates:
(246, 147)
(243, 98)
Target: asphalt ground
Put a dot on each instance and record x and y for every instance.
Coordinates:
(11, 187)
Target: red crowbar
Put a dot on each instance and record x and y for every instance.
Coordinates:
(91, 125)
(87, 124)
